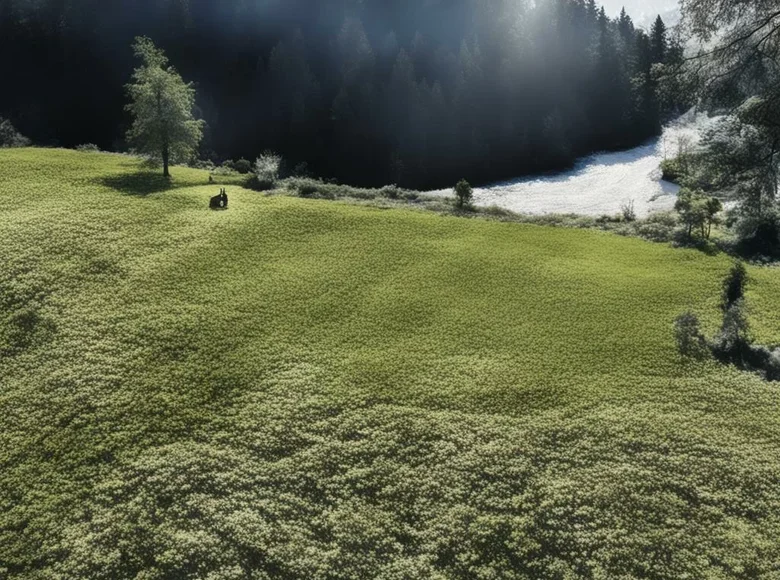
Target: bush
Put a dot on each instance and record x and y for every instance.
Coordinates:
(267, 168)
(312, 188)
(328, 189)
(10, 137)
(690, 340)
(627, 211)
(759, 236)
(305, 187)
(391, 192)
(88, 148)
(205, 164)
(243, 166)
(224, 170)
(671, 170)
(607, 219)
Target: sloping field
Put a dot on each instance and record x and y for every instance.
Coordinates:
(308, 389)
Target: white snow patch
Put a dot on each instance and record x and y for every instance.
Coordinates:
(601, 183)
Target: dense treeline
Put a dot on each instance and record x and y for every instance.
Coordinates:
(369, 92)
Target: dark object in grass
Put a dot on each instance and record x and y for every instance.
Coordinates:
(219, 201)
(734, 344)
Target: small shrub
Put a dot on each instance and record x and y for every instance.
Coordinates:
(307, 188)
(88, 148)
(391, 191)
(205, 164)
(267, 168)
(10, 137)
(607, 219)
(463, 193)
(690, 340)
(759, 236)
(627, 211)
(671, 170)
(243, 166)
(663, 218)
(224, 170)
(654, 231)
(311, 188)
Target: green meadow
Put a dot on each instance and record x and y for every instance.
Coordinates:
(311, 389)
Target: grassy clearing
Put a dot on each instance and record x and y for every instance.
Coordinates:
(297, 388)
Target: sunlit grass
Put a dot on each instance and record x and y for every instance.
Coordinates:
(313, 389)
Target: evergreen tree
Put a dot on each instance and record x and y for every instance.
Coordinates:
(626, 27)
(647, 114)
(161, 106)
(659, 43)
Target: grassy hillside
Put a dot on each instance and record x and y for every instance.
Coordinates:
(308, 389)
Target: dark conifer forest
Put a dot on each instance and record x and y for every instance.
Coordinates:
(367, 92)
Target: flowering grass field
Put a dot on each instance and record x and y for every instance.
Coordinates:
(309, 389)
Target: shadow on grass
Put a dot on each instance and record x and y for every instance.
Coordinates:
(706, 247)
(139, 184)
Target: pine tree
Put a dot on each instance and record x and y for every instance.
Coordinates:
(626, 27)
(161, 106)
(659, 43)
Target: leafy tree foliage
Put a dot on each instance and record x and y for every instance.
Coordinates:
(367, 92)
(161, 106)
(267, 169)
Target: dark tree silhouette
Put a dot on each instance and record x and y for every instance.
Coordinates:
(367, 92)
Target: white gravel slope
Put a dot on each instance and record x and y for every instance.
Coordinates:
(601, 183)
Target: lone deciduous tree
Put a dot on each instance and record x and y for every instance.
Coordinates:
(161, 106)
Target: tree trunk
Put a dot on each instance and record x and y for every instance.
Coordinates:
(166, 157)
